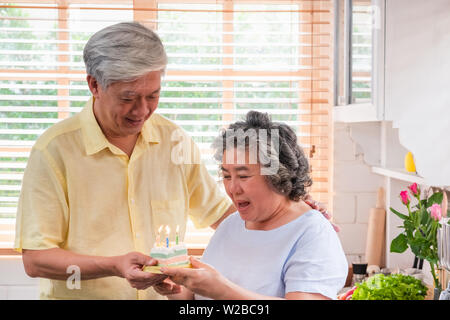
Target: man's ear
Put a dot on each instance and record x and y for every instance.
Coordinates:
(94, 86)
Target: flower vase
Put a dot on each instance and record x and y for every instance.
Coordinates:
(437, 293)
(440, 278)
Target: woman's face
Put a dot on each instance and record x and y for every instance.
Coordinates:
(255, 200)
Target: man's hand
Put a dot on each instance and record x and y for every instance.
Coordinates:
(129, 266)
(321, 207)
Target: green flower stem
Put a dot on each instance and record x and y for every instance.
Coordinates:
(418, 199)
(432, 235)
(435, 278)
(411, 214)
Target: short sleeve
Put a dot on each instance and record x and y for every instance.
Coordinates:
(42, 214)
(207, 203)
(317, 263)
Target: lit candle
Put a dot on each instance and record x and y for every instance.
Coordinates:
(167, 238)
(158, 237)
(176, 238)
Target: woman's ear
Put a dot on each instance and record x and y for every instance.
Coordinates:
(94, 86)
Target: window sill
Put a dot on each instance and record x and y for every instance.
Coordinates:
(11, 252)
(363, 112)
(8, 252)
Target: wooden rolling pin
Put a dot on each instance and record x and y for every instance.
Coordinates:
(375, 244)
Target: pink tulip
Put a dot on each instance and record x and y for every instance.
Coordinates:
(436, 212)
(405, 197)
(414, 189)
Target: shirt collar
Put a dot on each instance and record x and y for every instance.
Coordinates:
(93, 137)
(149, 132)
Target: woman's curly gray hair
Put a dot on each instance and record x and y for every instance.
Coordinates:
(276, 143)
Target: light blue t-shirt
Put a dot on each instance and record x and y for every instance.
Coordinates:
(303, 255)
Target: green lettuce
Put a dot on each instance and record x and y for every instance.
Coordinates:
(392, 287)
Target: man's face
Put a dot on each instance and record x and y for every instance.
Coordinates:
(123, 107)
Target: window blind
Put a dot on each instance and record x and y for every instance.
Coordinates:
(225, 58)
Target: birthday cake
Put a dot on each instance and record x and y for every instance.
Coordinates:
(168, 254)
(175, 256)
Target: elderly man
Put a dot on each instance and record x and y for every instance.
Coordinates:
(99, 185)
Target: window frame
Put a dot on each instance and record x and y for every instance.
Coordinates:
(348, 111)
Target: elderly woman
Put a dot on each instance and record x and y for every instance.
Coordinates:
(276, 245)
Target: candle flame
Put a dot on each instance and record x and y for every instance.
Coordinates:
(167, 229)
(160, 228)
(178, 228)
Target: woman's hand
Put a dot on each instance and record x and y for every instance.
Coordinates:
(167, 288)
(321, 207)
(202, 279)
(208, 282)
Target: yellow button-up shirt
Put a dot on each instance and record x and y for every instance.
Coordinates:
(83, 194)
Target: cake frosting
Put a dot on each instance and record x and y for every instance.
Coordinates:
(174, 256)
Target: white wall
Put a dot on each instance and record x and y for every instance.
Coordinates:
(417, 78)
(355, 188)
(356, 149)
(15, 284)
(417, 74)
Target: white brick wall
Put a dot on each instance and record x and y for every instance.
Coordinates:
(344, 148)
(15, 284)
(355, 176)
(355, 188)
(344, 210)
(364, 202)
(353, 238)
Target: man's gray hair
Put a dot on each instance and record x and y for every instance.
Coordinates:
(123, 52)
